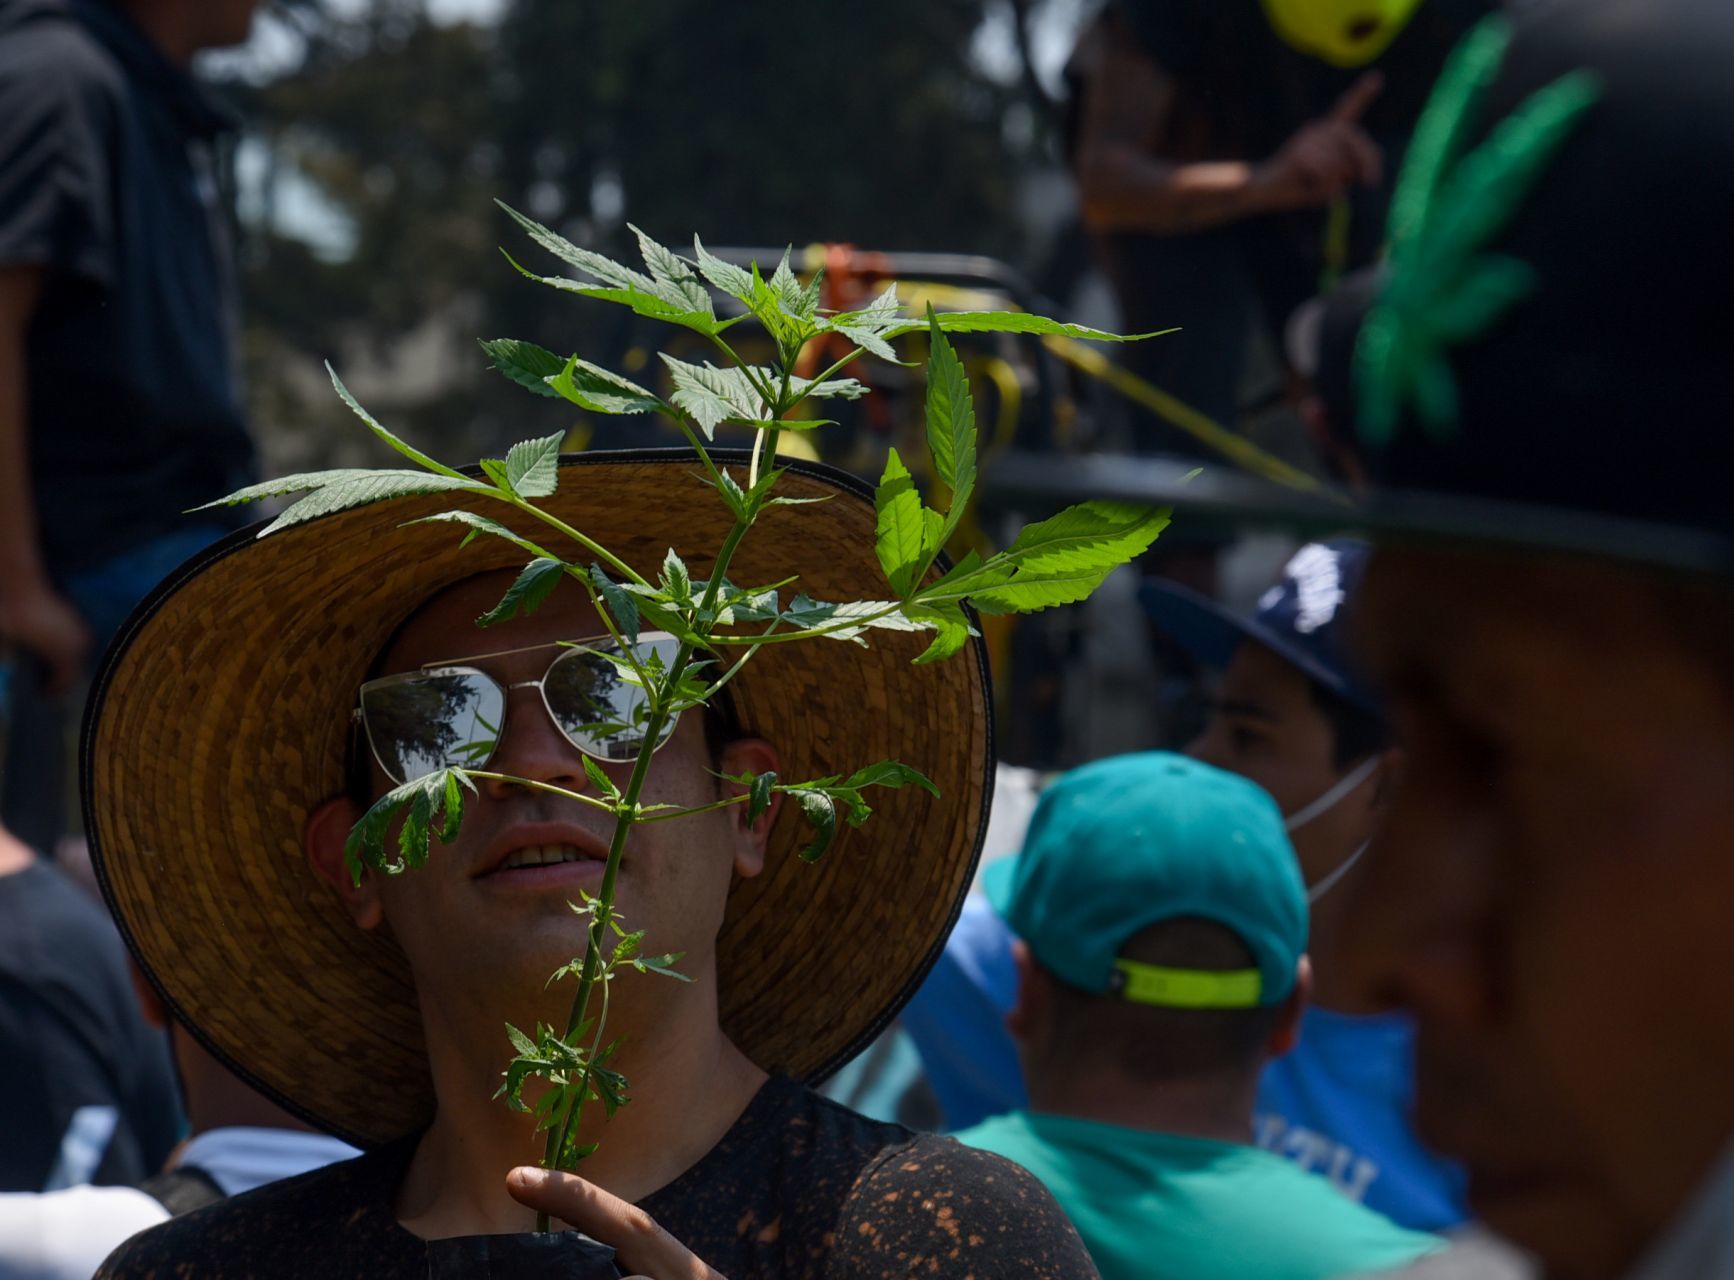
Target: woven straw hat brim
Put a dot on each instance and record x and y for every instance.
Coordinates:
(220, 720)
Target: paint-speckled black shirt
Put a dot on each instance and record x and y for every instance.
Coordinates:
(799, 1186)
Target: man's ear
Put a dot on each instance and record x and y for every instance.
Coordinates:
(750, 755)
(1030, 1009)
(327, 830)
(1286, 1034)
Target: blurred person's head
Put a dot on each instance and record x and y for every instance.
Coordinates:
(1289, 710)
(1162, 931)
(1551, 618)
(182, 28)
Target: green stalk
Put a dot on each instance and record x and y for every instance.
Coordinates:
(559, 1136)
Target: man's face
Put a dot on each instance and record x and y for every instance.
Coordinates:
(471, 924)
(1265, 726)
(225, 22)
(1552, 889)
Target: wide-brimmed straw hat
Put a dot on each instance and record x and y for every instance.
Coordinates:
(221, 719)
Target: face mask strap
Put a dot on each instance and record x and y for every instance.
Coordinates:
(1324, 886)
(1329, 800)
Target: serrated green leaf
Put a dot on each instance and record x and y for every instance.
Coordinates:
(365, 488)
(714, 396)
(620, 604)
(1060, 560)
(952, 632)
(479, 525)
(838, 388)
(594, 388)
(594, 265)
(495, 470)
(950, 424)
(675, 281)
(759, 796)
(521, 1043)
(533, 466)
(422, 802)
(906, 533)
(676, 581)
(600, 780)
(627, 947)
(300, 482)
(821, 812)
(524, 363)
(891, 773)
(735, 281)
(1015, 322)
(528, 590)
(407, 450)
(663, 964)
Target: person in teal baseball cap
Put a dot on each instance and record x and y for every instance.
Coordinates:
(1162, 928)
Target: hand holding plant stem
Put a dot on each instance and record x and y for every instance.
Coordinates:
(718, 626)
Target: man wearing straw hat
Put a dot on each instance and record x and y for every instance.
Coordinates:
(265, 695)
(1542, 384)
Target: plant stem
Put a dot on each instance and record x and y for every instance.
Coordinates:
(626, 815)
(703, 808)
(532, 785)
(583, 540)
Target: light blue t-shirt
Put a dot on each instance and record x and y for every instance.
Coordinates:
(1338, 1105)
(1155, 1206)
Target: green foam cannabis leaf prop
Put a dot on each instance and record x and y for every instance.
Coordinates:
(719, 625)
(1443, 286)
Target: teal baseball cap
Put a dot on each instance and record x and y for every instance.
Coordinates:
(1133, 840)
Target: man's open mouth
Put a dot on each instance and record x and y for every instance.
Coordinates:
(543, 855)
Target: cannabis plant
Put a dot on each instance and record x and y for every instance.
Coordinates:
(713, 627)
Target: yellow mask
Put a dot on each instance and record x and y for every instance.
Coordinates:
(1344, 33)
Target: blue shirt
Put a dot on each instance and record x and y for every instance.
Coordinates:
(1338, 1105)
(957, 1020)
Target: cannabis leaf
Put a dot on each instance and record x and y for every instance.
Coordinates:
(524, 363)
(594, 388)
(534, 583)
(435, 797)
(533, 466)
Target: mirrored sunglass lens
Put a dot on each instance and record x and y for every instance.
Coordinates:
(597, 706)
(432, 722)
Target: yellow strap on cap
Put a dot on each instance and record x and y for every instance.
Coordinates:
(1344, 33)
(1186, 988)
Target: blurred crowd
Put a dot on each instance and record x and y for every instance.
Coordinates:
(1350, 905)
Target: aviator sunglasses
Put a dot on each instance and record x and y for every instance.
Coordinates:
(452, 714)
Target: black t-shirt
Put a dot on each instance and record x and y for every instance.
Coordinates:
(86, 1088)
(798, 1186)
(107, 180)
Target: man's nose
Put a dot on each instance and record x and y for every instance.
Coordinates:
(532, 747)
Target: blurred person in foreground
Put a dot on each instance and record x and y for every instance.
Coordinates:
(374, 1005)
(1162, 933)
(1550, 613)
(119, 402)
(1233, 157)
(87, 1092)
(1291, 713)
(238, 1140)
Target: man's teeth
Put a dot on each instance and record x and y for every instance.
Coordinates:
(541, 855)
